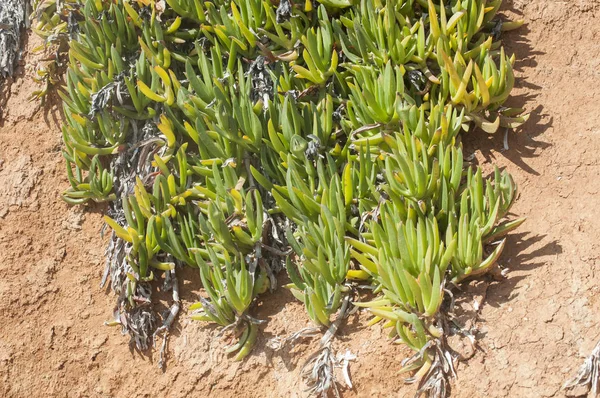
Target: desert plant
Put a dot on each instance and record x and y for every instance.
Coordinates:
(249, 136)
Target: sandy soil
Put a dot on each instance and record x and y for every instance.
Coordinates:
(533, 328)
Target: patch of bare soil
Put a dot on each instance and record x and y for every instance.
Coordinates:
(533, 328)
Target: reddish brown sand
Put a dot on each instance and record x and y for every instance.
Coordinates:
(534, 327)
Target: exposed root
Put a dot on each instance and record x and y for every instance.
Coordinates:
(436, 382)
(171, 279)
(133, 311)
(343, 361)
(116, 264)
(277, 343)
(318, 370)
(437, 368)
(139, 323)
(586, 380)
(332, 331)
(437, 360)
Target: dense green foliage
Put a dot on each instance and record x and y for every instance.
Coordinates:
(226, 133)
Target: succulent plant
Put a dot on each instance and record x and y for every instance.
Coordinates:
(244, 137)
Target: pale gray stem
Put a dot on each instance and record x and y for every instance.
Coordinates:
(105, 274)
(326, 339)
(317, 371)
(277, 251)
(168, 322)
(586, 380)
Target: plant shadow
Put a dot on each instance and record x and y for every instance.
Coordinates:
(524, 142)
(524, 252)
(268, 306)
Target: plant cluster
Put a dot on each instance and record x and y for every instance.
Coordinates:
(243, 137)
(55, 21)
